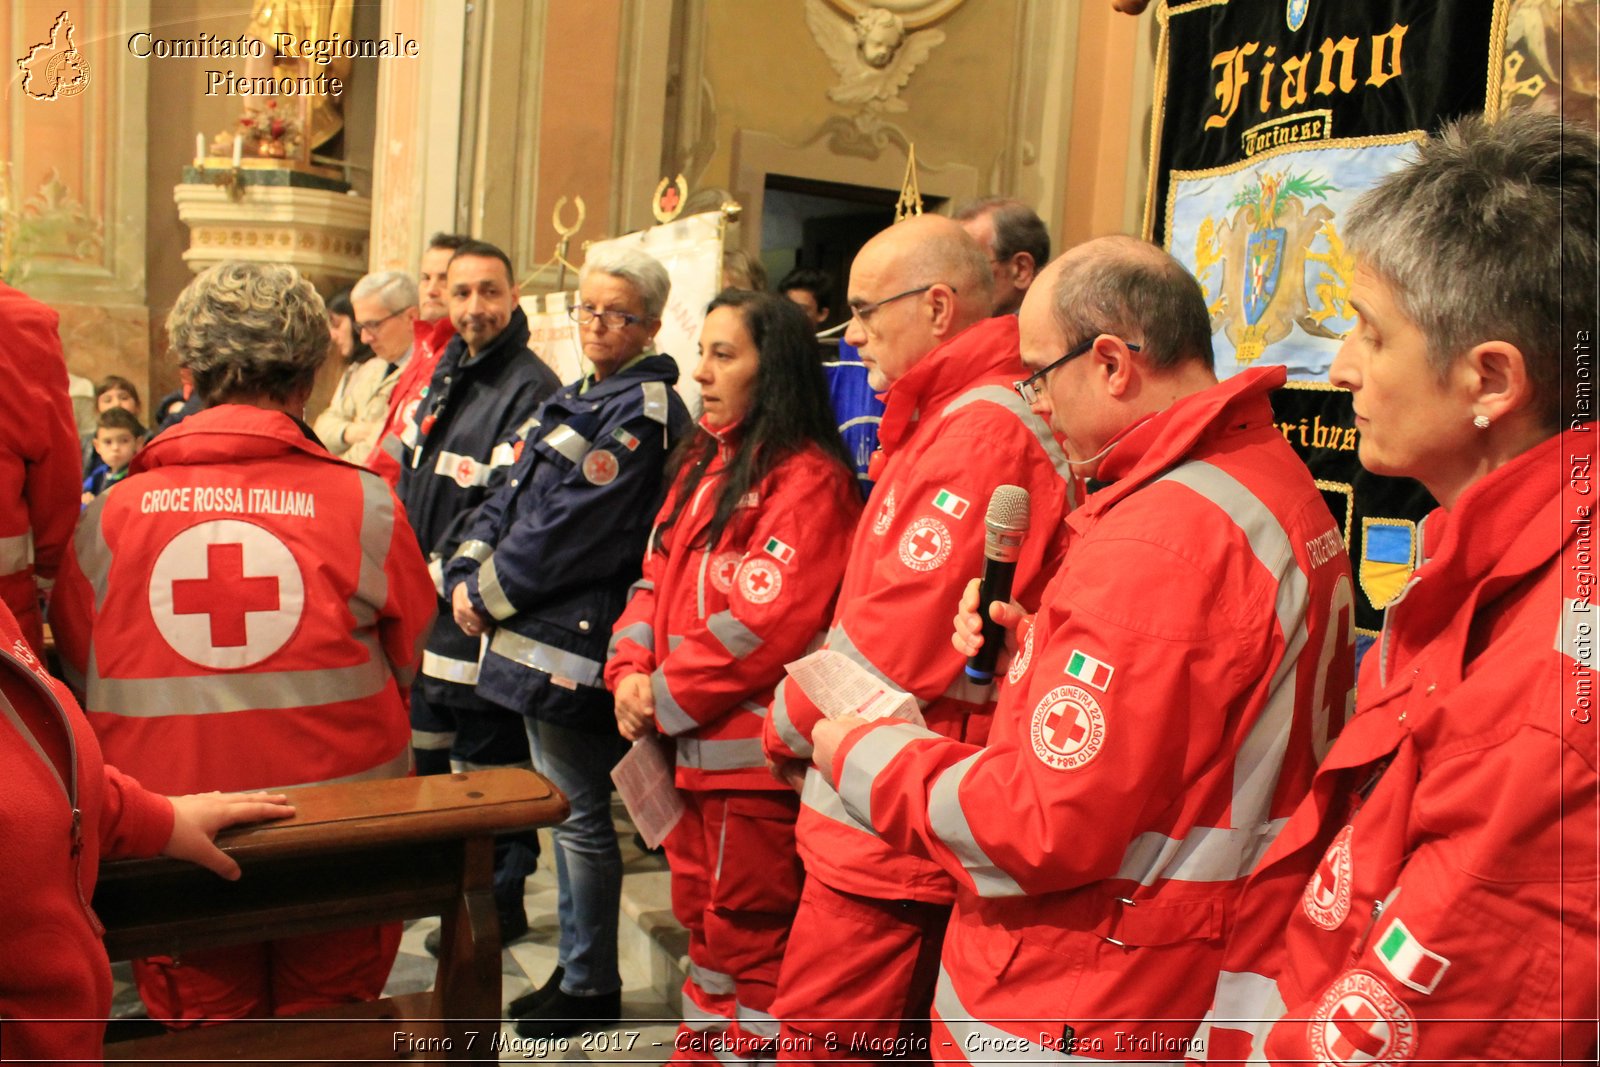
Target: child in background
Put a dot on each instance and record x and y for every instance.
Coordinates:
(116, 440)
(113, 391)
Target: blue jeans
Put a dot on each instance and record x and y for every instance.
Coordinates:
(588, 861)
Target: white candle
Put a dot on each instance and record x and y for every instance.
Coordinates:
(199, 149)
(238, 150)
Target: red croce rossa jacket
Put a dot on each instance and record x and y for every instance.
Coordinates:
(714, 625)
(242, 611)
(954, 429)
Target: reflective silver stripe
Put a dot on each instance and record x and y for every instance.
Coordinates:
(699, 1019)
(981, 1042)
(477, 551)
(504, 455)
(460, 671)
(759, 1023)
(529, 424)
(819, 796)
(212, 694)
(1575, 636)
(568, 442)
(396, 766)
(640, 633)
(1212, 854)
(734, 635)
(673, 641)
(89, 545)
(948, 821)
(436, 572)
(391, 447)
(788, 732)
(16, 553)
(1243, 1001)
(640, 586)
(489, 590)
(736, 755)
(655, 401)
(758, 710)
(557, 662)
(967, 691)
(1205, 854)
(377, 529)
(713, 982)
(1000, 396)
(700, 586)
(839, 641)
(670, 715)
(432, 740)
(867, 760)
(450, 464)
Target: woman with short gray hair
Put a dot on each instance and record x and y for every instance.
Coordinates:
(240, 612)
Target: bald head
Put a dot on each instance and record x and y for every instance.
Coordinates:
(913, 287)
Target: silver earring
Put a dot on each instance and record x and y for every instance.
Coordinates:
(1481, 421)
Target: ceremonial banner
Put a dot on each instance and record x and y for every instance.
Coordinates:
(1271, 119)
(553, 336)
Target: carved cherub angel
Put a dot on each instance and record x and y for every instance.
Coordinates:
(874, 56)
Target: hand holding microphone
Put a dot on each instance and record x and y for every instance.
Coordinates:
(1005, 525)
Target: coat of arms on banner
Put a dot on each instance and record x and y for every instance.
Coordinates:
(1262, 236)
(1388, 556)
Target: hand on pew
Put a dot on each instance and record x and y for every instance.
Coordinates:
(197, 818)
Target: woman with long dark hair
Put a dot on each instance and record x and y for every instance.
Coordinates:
(741, 575)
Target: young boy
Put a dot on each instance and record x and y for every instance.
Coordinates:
(116, 439)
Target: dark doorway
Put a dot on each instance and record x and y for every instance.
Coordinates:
(822, 225)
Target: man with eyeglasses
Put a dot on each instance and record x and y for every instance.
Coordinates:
(385, 306)
(1167, 707)
(480, 400)
(859, 969)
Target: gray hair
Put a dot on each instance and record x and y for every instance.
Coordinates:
(247, 330)
(1489, 235)
(395, 289)
(642, 271)
(1017, 227)
(1128, 287)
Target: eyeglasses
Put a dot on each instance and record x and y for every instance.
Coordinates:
(372, 327)
(863, 312)
(1031, 387)
(584, 314)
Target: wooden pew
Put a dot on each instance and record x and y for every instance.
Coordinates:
(354, 853)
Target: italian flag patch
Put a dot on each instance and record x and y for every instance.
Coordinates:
(778, 550)
(952, 505)
(624, 438)
(1089, 670)
(1408, 960)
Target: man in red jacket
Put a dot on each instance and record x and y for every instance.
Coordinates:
(431, 333)
(860, 964)
(1166, 709)
(39, 474)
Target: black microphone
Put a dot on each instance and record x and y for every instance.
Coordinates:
(1004, 523)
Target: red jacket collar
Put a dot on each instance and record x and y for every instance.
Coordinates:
(227, 433)
(1160, 441)
(432, 336)
(987, 348)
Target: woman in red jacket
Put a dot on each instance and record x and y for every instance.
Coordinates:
(741, 575)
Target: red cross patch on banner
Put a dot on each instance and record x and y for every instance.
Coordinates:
(226, 594)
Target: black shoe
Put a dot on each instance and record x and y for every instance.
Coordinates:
(513, 924)
(528, 1001)
(562, 1015)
